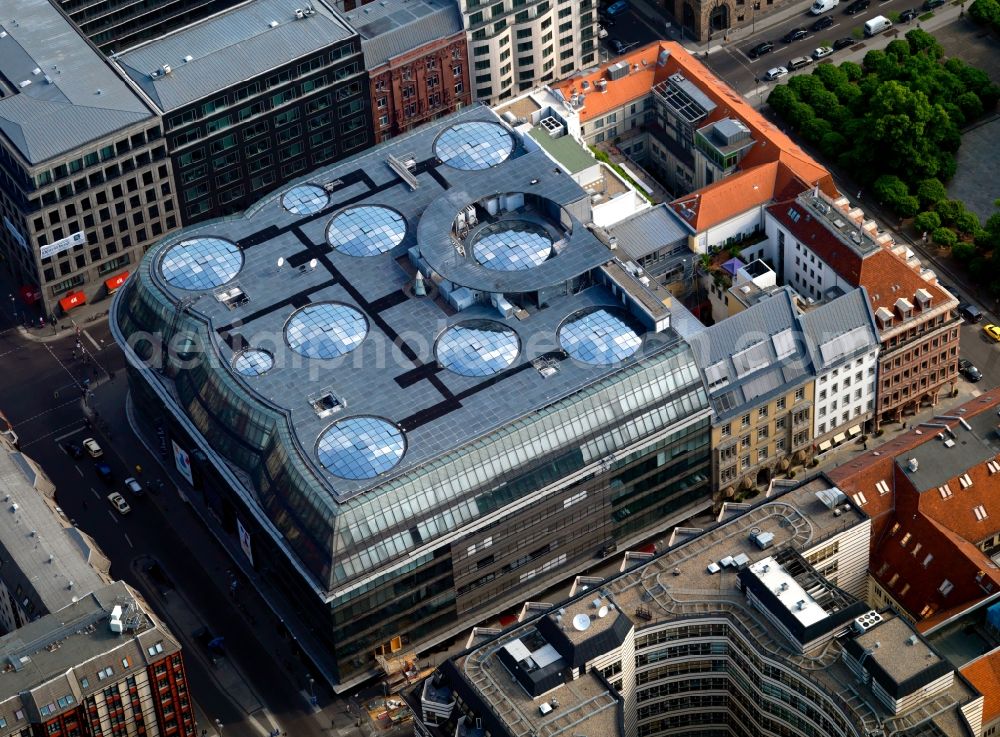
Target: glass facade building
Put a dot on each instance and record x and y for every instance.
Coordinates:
(488, 490)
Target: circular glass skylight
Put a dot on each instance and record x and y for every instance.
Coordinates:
(253, 362)
(368, 230)
(473, 146)
(304, 199)
(201, 263)
(326, 330)
(601, 336)
(477, 348)
(360, 447)
(512, 249)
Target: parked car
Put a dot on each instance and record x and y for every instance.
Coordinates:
(764, 47)
(970, 312)
(617, 8)
(214, 645)
(163, 583)
(821, 6)
(992, 332)
(617, 46)
(798, 62)
(794, 35)
(907, 15)
(931, 4)
(775, 73)
(843, 43)
(103, 471)
(134, 486)
(822, 24)
(119, 503)
(93, 448)
(857, 6)
(74, 450)
(969, 371)
(602, 32)
(822, 52)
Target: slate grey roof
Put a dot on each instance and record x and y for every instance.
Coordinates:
(51, 655)
(739, 356)
(938, 464)
(73, 95)
(24, 556)
(648, 231)
(840, 329)
(392, 27)
(228, 48)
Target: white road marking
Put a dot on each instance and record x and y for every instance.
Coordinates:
(67, 434)
(128, 541)
(78, 471)
(48, 434)
(94, 492)
(91, 339)
(113, 517)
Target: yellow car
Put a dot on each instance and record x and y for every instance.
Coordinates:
(992, 332)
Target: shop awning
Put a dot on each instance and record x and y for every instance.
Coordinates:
(115, 281)
(839, 437)
(853, 430)
(825, 445)
(71, 300)
(29, 294)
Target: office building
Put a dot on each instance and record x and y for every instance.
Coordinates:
(100, 665)
(515, 46)
(706, 20)
(417, 62)
(87, 182)
(750, 627)
(115, 25)
(427, 391)
(253, 97)
(822, 245)
(45, 561)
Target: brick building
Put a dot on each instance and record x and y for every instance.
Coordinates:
(103, 665)
(822, 246)
(417, 60)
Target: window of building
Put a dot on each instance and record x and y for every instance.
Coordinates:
(980, 511)
(945, 587)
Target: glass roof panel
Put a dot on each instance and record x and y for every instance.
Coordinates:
(473, 146)
(513, 249)
(325, 330)
(305, 199)
(253, 362)
(367, 230)
(360, 447)
(477, 348)
(599, 337)
(201, 263)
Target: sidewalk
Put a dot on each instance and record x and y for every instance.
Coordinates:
(331, 715)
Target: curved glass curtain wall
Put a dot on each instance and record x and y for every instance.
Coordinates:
(245, 432)
(442, 495)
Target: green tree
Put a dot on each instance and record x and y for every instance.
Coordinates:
(898, 48)
(967, 222)
(907, 207)
(927, 222)
(814, 130)
(945, 237)
(949, 210)
(921, 42)
(799, 114)
(889, 189)
(781, 99)
(930, 192)
(881, 64)
(986, 12)
(962, 250)
(831, 76)
(832, 144)
(970, 105)
(806, 87)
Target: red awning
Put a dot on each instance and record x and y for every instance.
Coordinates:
(71, 300)
(115, 281)
(650, 548)
(30, 294)
(506, 620)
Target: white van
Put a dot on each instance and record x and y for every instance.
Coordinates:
(877, 25)
(821, 6)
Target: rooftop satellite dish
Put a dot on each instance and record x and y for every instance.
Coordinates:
(312, 263)
(581, 622)
(602, 612)
(281, 261)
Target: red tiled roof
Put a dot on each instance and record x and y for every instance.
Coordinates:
(884, 270)
(984, 673)
(722, 200)
(816, 237)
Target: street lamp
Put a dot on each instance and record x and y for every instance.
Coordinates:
(312, 692)
(218, 723)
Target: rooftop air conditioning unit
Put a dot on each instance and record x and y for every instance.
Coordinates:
(866, 621)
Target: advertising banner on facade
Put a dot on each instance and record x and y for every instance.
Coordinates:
(63, 244)
(183, 462)
(244, 540)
